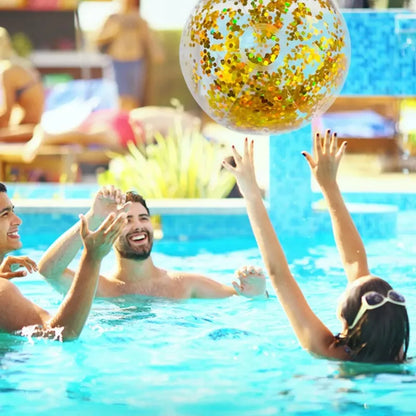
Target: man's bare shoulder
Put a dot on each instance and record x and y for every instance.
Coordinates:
(166, 284)
(190, 280)
(16, 311)
(7, 288)
(199, 286)
(184, 276)
(8, 292)
(11, 296)
(108, 287)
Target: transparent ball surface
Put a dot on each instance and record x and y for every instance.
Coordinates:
(265, 66)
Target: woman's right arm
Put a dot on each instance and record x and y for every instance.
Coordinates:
(347, 238)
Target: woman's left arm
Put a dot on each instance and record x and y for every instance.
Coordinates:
(312, 334)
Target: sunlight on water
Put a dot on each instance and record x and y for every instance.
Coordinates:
(201, 357)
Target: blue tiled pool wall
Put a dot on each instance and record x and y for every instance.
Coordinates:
(44, 228)
(383, 62)
(185, 227)
(382, 59)
(51, 190)
(291, 196)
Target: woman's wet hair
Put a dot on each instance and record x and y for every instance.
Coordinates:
(133, 196)
(380, 334)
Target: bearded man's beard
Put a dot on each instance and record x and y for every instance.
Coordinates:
(126, 251)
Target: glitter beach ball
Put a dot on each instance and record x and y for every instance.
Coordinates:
(265, 66)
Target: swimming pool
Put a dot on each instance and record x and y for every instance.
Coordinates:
(202, 357)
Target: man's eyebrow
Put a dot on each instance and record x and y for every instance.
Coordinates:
(7, 209)
(140, 215)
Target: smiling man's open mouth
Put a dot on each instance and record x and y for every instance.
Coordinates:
(13, 234)
(138, 237)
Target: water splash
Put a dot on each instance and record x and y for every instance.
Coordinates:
(37, 331)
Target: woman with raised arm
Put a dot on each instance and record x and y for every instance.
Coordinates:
(375, 325)
(20, 88)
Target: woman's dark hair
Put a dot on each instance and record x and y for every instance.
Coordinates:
(132, 196)
(3, 187)
(381, 333)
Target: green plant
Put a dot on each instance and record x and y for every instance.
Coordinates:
(180, 165)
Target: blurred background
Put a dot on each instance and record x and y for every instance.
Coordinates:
(375, 112)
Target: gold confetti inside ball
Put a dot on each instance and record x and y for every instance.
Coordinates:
(264, 66)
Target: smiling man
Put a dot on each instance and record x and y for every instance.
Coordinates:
(10, 240)
(18, 312)
(135, 271)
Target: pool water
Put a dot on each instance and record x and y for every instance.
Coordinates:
(203, 357)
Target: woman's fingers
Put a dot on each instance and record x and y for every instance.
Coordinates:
(237, 156)
(327, 141)
(309, 159)
(317, 148)
(341, 150)
(334, 143)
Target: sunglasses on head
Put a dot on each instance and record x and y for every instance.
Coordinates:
(374, 300)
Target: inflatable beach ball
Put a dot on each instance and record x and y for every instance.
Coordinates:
(265, 66)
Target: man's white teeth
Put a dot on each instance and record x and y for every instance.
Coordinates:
(138, 237)
(14, 233)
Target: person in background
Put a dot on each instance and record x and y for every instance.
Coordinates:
(22, 96)
(375, 324)
(114, 129)
(17, 312)
(108, 129)
(127, 39)
(135, 272)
